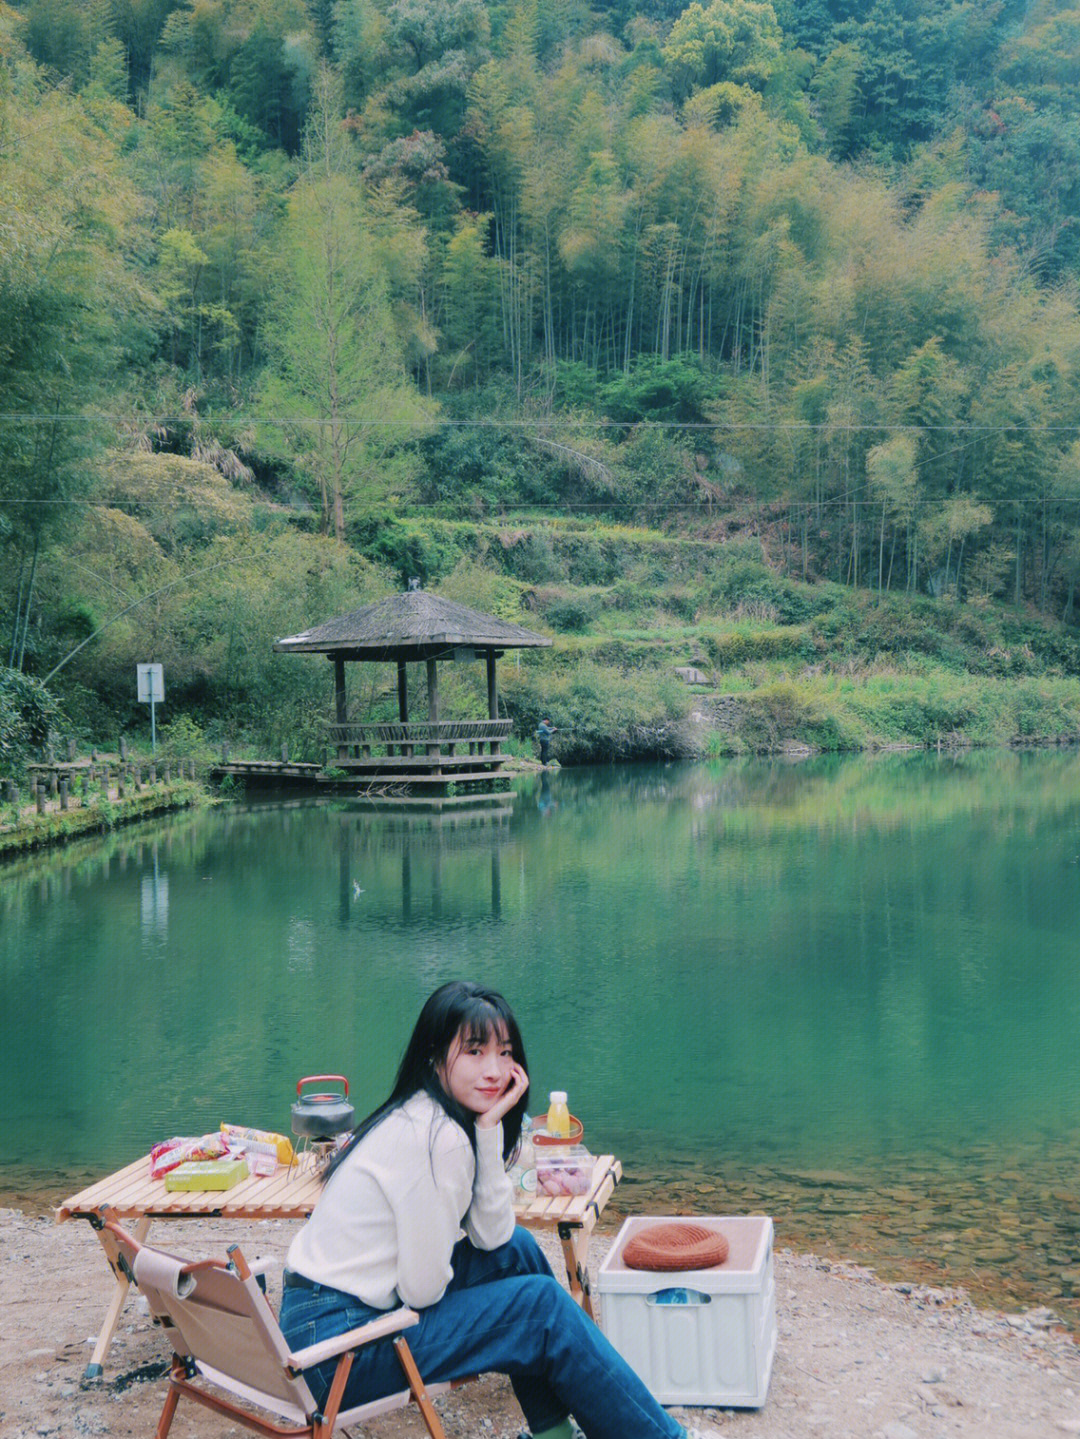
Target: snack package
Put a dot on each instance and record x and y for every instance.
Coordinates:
(171, 1153)
(260, 1166)
(564, 1171)
(259, 1141)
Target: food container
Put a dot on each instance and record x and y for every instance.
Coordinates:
(540, 1135)
(565, 1170)
(199, 1174)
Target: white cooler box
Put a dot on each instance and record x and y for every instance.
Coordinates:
(702, 1336)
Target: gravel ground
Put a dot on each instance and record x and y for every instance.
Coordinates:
(856, 1358)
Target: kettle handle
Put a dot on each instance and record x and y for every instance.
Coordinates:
(320, 1078)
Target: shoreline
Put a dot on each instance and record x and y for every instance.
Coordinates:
(34, 833)
(932, 1228)
(856, 1357)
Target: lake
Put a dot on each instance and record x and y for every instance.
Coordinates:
(843, 991)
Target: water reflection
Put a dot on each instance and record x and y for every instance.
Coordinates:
(745, 973)
(420, 847)
(154, 908)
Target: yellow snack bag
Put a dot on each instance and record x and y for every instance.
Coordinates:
(262, 1141)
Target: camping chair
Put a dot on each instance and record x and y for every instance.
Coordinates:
(225, 1337)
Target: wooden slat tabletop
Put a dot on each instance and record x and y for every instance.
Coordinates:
(290, 1193)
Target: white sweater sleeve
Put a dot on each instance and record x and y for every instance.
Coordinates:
(428, 1204)
(489, 1221)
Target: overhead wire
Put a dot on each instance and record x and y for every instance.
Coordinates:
(563, 422)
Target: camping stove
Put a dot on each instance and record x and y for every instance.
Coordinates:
(320, 1119)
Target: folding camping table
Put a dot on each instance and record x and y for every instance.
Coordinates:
(291, 1193)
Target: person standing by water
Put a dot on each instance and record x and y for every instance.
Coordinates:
(426, 1163)
(544, 730)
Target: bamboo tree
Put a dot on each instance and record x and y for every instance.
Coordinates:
(339, 375)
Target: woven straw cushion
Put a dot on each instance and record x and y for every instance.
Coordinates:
(675, 1246)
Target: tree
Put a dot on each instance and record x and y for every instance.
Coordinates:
(944, 532)
(339, 379)
(737, 41)
(71, 312)
(890, 470)
(469, 308)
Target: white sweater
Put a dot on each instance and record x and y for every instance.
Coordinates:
(387, 1222)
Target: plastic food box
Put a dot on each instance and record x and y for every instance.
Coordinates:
(703, 1336)
(564, 1170)
(198, 1174)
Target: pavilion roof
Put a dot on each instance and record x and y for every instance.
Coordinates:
(413, 621)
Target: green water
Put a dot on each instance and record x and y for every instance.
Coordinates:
(847, 990)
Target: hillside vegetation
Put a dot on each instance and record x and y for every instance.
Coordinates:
(742, 337)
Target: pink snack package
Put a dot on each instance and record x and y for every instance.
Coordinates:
(173, 1152)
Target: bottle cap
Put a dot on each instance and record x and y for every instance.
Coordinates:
(558, 1096)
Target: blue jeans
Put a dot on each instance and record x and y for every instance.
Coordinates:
(503, 1312)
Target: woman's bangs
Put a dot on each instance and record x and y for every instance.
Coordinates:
(483, 1022)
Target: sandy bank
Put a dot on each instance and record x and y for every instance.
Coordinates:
(857, 1358)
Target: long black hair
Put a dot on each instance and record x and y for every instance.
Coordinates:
(458, 1008)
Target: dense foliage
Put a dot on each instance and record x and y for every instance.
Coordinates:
(298, 300)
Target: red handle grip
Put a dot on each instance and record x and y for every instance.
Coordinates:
(321, 1079)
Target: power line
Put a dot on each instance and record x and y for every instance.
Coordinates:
(369, 422)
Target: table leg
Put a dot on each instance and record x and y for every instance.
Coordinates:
(95, 1368)
(574, 1239)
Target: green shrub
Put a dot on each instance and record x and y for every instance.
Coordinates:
(571, 613)
(681, 602)
(675, 390)
(486, 590)
(631, 595)
(785, 712)
(473, 469)
(748, 584)
(740, 646)
(601, 714)
(182, 738)
(28, 711)
(587, 560)
(535, 557)
(424, 549)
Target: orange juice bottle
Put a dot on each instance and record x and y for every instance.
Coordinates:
(558, 1115)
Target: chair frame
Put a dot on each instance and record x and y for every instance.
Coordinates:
(188, 1375)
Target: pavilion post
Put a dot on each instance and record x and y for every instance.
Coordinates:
(340, 706)
(403, 703)
(433, 703)
(493, 700)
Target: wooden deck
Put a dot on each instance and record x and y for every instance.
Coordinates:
(422, 761)
(268, 771)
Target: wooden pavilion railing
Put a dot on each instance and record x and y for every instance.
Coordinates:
(411, 737)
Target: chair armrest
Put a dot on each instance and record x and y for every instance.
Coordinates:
(391, 1323)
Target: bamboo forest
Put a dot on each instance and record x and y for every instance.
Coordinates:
(742, 337)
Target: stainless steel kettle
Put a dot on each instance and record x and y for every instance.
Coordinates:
(324, 1115)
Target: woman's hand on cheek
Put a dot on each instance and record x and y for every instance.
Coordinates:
(519, 1083)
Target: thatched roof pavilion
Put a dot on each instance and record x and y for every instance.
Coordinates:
(407, 628)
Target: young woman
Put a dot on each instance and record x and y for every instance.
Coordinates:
(426, 1164)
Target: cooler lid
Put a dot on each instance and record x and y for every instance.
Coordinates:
(749, 1237)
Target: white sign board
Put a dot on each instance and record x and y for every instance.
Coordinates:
(151, 683)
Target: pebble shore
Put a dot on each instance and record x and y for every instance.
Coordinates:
(857, 1358)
